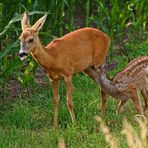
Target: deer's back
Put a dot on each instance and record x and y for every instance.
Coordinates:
(80, 49)
(134, 75)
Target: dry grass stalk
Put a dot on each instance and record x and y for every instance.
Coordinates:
(133, 140)
(143, 131)
(61, 143)
(110, 139)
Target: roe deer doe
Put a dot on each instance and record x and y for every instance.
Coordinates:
(81, 50)
(126, 83)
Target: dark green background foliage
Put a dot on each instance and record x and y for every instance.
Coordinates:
(29, 118)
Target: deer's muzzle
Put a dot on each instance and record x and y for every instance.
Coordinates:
(22, 55)
(23, 51)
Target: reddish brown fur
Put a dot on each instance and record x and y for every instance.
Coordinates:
(74, 52)
(65, 56)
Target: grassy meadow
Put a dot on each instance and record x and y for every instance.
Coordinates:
(26, 99)
(28, 121)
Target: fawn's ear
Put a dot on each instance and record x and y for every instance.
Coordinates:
(39, 24)
(111, 66)
(24, 21)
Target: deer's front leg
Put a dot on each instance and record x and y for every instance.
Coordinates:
(69, 90)
(103, 106)
(55, 86)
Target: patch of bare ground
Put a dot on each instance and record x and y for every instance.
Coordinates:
(15, 88)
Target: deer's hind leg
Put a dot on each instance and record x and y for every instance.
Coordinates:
(136, 101)
(144, 93)
(69, 90)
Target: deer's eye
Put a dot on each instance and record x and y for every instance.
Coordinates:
(30, 41)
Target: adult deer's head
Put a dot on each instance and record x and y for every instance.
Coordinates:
(29, 35)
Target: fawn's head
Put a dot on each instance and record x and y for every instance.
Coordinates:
(29, 35)
(107, 67)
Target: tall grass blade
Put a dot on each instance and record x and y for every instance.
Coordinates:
(17, 19)
(7, 49)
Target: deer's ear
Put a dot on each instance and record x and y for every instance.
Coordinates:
(39, 24)
(112, 66)
(24, 21)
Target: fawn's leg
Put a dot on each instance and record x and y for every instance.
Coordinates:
(103, 106)
(121, 104)
(144, 93)
(136, 101)
(69, 90)
(55, 86)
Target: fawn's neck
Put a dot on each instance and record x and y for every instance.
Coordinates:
(106, 84)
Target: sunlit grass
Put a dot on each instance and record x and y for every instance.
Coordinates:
(29, 120)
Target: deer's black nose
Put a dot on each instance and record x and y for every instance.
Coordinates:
(22, 54)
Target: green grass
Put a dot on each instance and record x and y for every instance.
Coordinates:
(28, 121)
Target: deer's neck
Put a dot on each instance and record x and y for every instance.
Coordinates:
(106, 84)
(40, 54)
